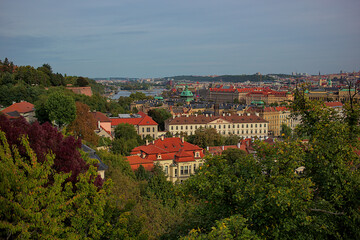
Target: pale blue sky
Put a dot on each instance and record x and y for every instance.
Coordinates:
(158, 38)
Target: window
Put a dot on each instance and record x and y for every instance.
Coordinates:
(177, 128)
(190, 127)
(256, 125)
(228, 126)
(176, 172)
(251, 125)
(166, 170)
(224, 126)
(143, 129)
(184, 170)
(153, 129)
(215, 126)
(260, 124)
(181, 127)
(186, 127)
(148, 129)
(197, 154)
(194, 167)
(242, 125)
(238, 126)
(247, 125)
(219, 126)
(172, 127)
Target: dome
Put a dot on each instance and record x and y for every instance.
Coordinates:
(186, 92)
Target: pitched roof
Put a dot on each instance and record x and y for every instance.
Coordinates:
(21, 107)
(169, 148)
(143, 120)
(99, 116)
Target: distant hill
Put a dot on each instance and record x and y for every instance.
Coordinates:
(225, 78)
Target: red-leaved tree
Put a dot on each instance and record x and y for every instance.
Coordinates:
(46, 139)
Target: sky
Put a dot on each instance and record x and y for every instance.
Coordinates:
(162, 38)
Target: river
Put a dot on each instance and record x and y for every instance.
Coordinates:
(126, 93)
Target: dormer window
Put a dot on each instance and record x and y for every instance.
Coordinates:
(197, 154)
(159, 156)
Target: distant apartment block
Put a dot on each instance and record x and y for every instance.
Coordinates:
(245, 126)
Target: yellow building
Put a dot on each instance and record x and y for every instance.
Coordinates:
(245, 126)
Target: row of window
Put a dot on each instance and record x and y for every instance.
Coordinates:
(215, 126)
(232, 132)
(184, 170)
(148, 129)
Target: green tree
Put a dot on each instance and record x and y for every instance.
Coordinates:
(204, 137)
(81, 82)
(37, 204)
(159, 115)
(286, 131)
(60, 108)
(126, 131)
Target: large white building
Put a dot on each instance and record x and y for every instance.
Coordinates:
(246, 126)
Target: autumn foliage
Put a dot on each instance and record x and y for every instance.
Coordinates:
(84, 125)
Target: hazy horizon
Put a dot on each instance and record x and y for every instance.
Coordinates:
(149, 39)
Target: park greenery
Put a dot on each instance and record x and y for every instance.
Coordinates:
(304, 186)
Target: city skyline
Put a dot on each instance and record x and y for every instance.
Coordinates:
(162, 38)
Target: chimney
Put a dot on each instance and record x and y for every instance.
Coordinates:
(147, 142)
(208, 148)
(195, 114)
(238, 145)
(206, 115)
(98, 124)
(223, 148)
(257, 114)
(162, 137)
(223, 114)
(182, 139)
(248, 114)
(153, 142)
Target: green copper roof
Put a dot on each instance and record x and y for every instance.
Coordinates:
(258, 102)
(186, 92)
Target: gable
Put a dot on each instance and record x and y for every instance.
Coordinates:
(219, 121)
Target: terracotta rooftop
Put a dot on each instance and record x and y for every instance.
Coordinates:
(99, 116)
(21, 107)
(139, 121)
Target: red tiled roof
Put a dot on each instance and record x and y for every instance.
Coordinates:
(99, 116)
(169, 149)
(136, 161)
(333, 104)
(21, 107)
(141, 121)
